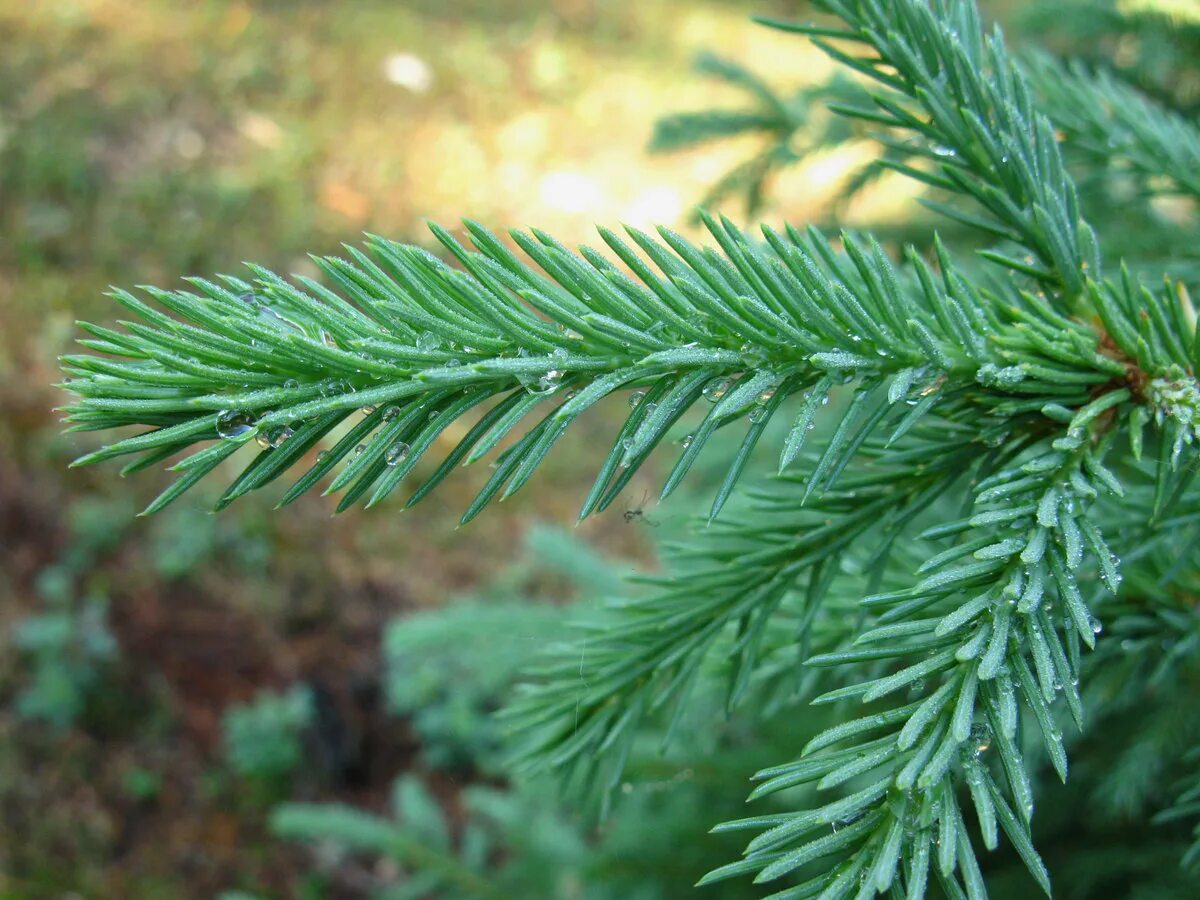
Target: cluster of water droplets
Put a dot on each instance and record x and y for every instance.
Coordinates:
(758, 411)
(991, 375)
(335, 387)
(1176, 396)
(237, 424)
(546, 382)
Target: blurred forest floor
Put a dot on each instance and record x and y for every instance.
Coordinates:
(142, 141)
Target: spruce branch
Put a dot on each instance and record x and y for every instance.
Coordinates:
(417, 345)
(975, 121)
(1108, 120)
(995, 623)
(644, 655)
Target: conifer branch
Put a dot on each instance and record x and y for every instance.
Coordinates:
(976, 122)
(416, 345)
(1111, 121)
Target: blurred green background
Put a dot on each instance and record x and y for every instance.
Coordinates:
(166, 683)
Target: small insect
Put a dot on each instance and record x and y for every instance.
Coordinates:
(638, 513)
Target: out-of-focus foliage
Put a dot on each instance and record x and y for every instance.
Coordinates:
(66, 649)
(788, 128)
(520, 840)
(264, 738)
(67, 644)
(450, 669)
(1153, 44)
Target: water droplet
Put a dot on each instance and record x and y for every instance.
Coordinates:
(262, 440)
(559, 353)
(427, 341)
(233, 423)
(1096, 625)
(291, 384)
(274, 318)
(360, 449)
(452, 362)
(322, 455)
(547, 384)
(979, 738)
(396, 454)
(389, 413)
(716, 389)
(943, 151)
(635, 398)
(758, 414)
(367, 410)
(687, 440)
(277, 436)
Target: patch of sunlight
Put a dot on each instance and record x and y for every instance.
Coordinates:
(1179, 10)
